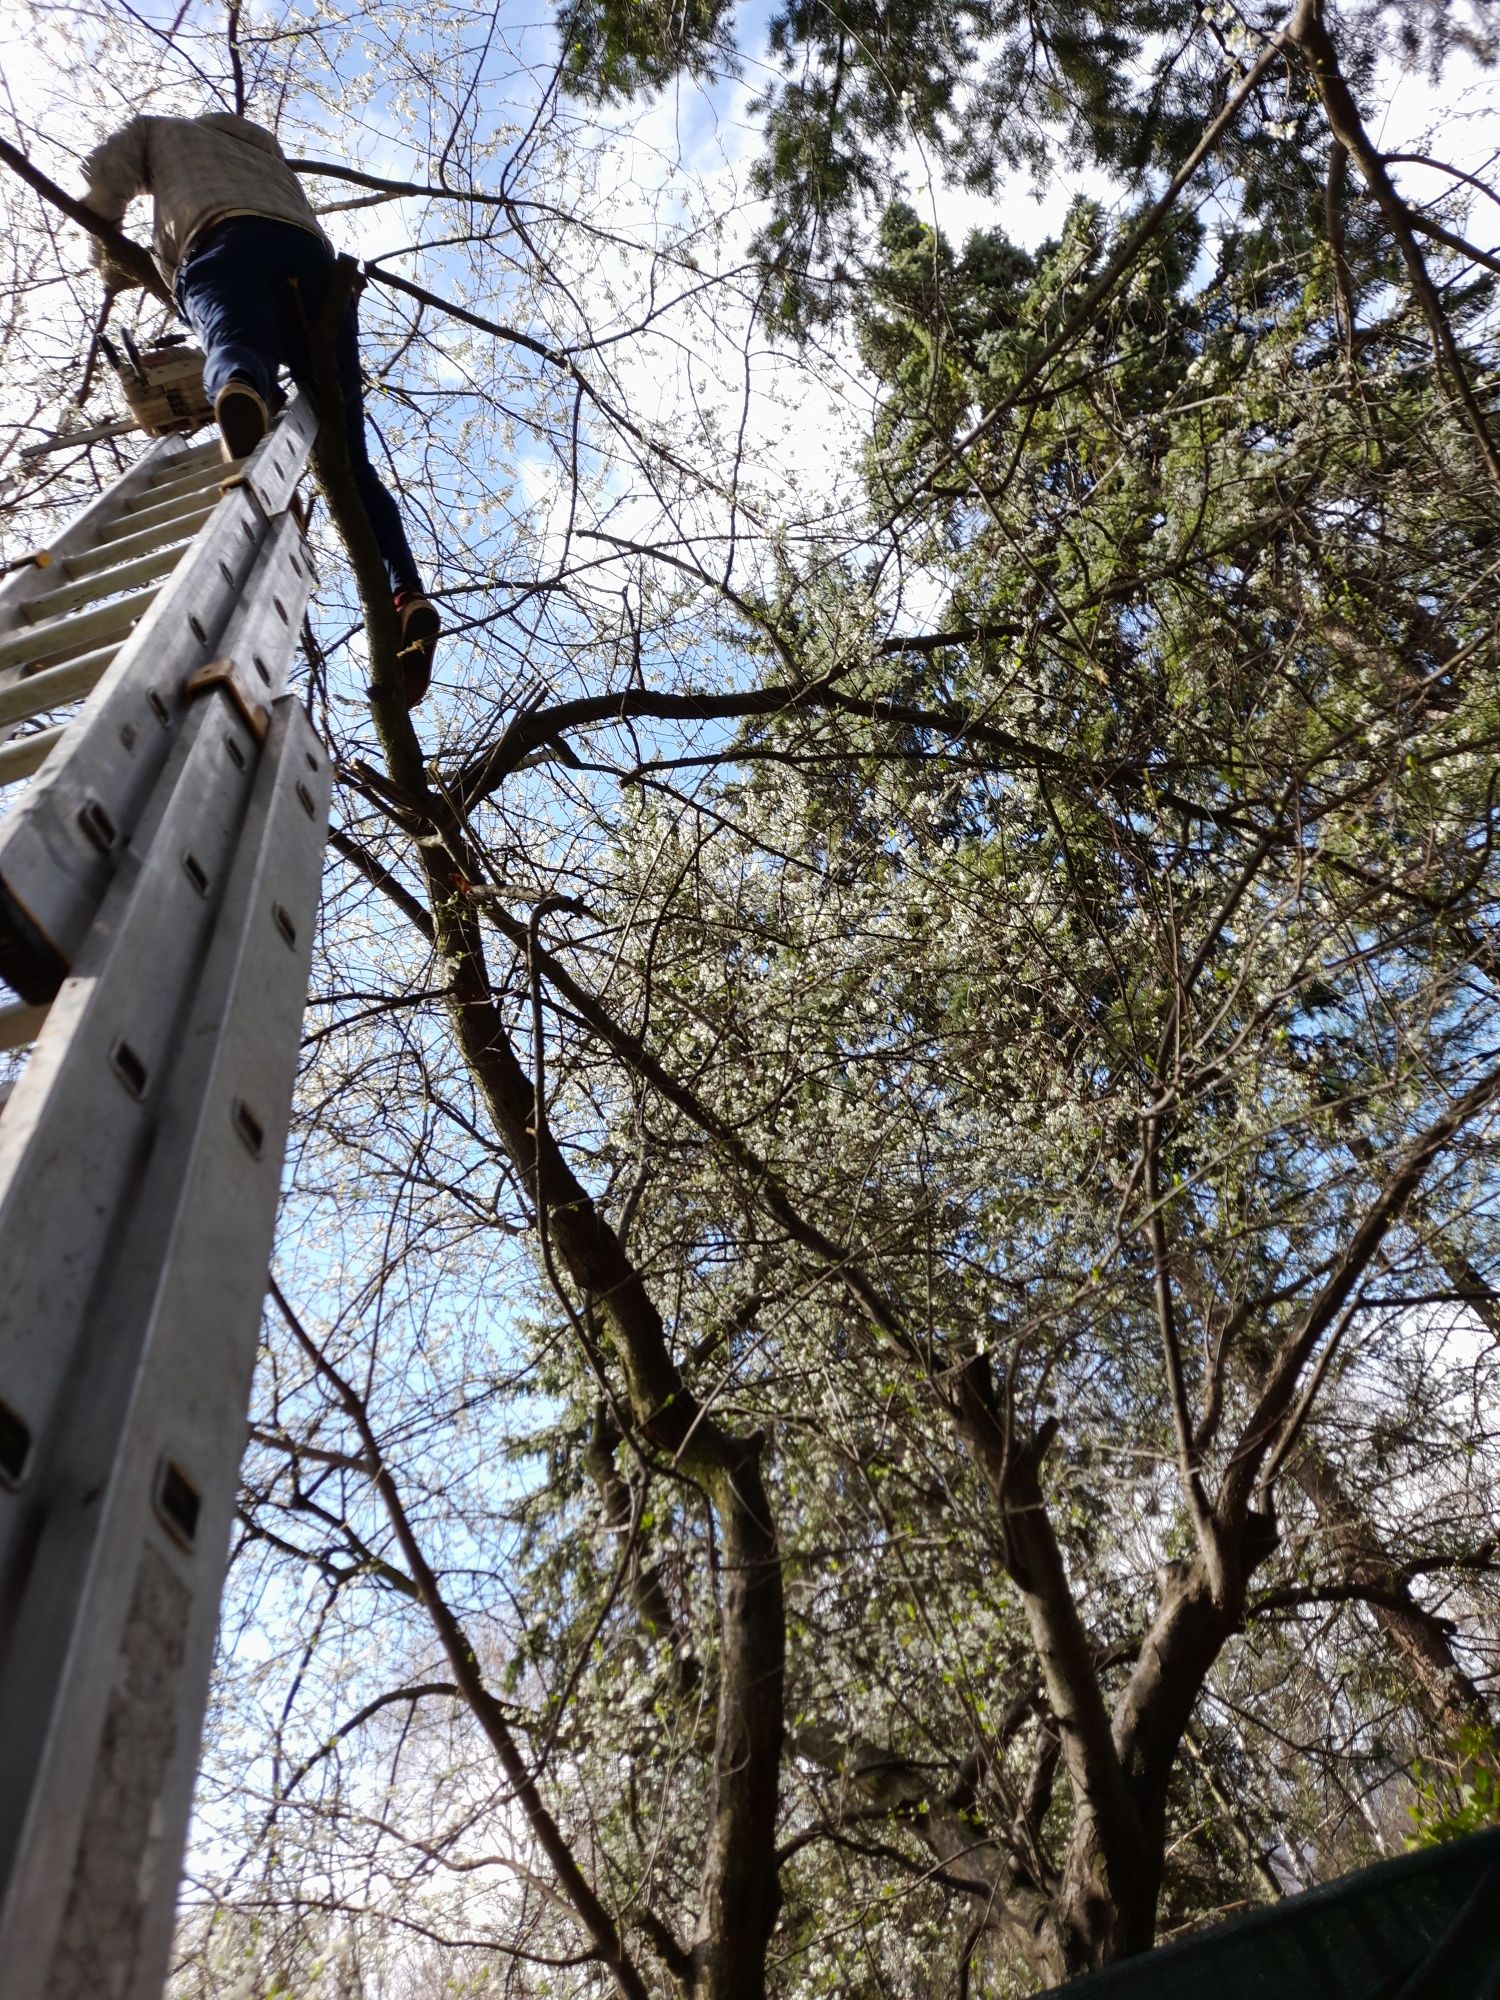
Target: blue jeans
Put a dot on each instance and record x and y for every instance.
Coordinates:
(251, 289)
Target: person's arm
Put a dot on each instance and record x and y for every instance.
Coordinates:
(116, 172)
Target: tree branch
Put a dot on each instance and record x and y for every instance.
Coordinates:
(128, 255)
(1309, 31)
(1276, 1398)
(577, 1891)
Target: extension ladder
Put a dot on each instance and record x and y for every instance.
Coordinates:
(159, 883)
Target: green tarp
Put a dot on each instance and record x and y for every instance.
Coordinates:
(1424, 1924)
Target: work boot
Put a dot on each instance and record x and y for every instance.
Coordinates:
(420, 626)
(242, 416)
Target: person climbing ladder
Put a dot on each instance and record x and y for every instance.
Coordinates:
(249, 265)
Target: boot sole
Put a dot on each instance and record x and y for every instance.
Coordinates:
(243, 421)
(419, 634)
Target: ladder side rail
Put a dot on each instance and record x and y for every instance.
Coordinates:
(75, 1125)
(90, 1904)
(253, 640)
(275, 466)
(76, 1133)
(60, 845)
(188, 934)
(260, 638)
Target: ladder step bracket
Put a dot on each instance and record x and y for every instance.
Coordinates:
(226, 676)
(38, 559)
(62, 841)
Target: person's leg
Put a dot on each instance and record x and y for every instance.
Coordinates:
(385, 516)
(312, 268)
(222, 292)
(224, 298)
(420, 623)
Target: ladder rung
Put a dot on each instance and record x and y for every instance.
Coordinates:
(97, 519)
(199, 454)
(65, 638)
(20, 1025)
(106, 583)
(54, 685)
(179, 462)
(25, 754)
(197, 480)
(124, 548)
(194, 508)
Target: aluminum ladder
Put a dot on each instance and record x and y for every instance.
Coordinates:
(159, 881)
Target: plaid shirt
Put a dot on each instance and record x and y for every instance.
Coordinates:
(197, 171)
